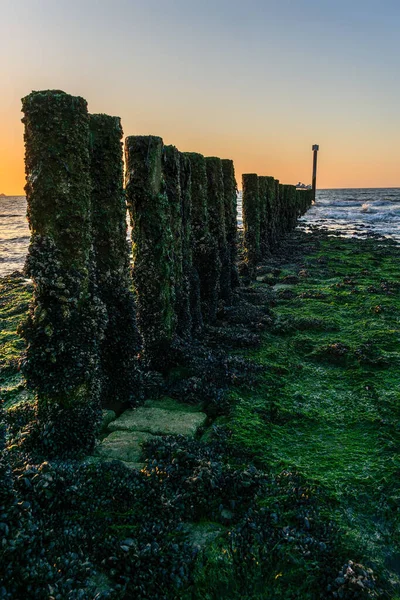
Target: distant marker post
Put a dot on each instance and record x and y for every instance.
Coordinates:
(315, 149)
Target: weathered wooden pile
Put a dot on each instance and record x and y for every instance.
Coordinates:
(89, 328)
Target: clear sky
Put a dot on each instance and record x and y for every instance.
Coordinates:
(258, 81)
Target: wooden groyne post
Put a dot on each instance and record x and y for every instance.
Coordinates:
(121, 342)
(315, 149)
(66, 321)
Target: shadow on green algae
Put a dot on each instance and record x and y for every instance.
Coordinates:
(329, 404)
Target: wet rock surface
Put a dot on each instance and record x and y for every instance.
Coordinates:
(159, 421)
(123, 445)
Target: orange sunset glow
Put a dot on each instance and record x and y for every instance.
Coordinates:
(244, 83)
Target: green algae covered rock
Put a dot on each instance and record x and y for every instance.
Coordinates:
(153, 246)
(251, 220)
(160, 421)
(66, 322)
(121, 341)
(230, 199)
(123, 445)
(107, 417)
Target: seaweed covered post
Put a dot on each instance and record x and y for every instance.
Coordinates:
(7, 495)
(280, 200)
(205, 247)
(216, 219)
(191, 320)
(172, 178)
(152, 242)
(294, 213)
(263, 191)
(66, 321)
(270, 225)
(276, 215)
(230, 196)
(119, 372)
(284, 207)
(251, 220)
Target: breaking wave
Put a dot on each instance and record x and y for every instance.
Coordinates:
(357, 212)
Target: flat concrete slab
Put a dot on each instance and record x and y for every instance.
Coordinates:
(159, 421)
(123, 445)
(170, 404)
(107, 417)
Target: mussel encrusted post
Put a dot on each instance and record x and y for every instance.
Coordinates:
(251, 220)
(276, 213)
(153, 248)
(216, 220)
(270, 226)
(280, 200)
(172, 178)
(230, 198)
(205, 246)
(293, 215)
(7, 495)
(66, 321)
(263, 195)
(119, 371)
(190, 319)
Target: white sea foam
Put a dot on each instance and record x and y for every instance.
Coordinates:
(357, 211)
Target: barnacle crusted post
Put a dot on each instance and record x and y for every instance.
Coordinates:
(172, 178)
(251, 220)
(276, 213)
(279, 198)
(230, 196)
(111, 248)
(270, 207)
(205, 246)
(189, 317)
(216, 219)
(263, 191)
(7, 496)
(152, 241)
(66, 321)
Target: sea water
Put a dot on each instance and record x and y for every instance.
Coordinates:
(357, 212)
(348, 211)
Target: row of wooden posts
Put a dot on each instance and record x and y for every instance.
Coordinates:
(87, 326)
(270, 209)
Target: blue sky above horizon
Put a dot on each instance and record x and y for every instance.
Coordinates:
(256, 81)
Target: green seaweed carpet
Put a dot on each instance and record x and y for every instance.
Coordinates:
(325, 409)
(329, 407)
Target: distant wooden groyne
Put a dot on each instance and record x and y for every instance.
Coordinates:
(88, 334)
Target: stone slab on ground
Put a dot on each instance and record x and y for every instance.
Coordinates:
(124, 446)
(106, 418)
(171, 404)
(159, 421)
